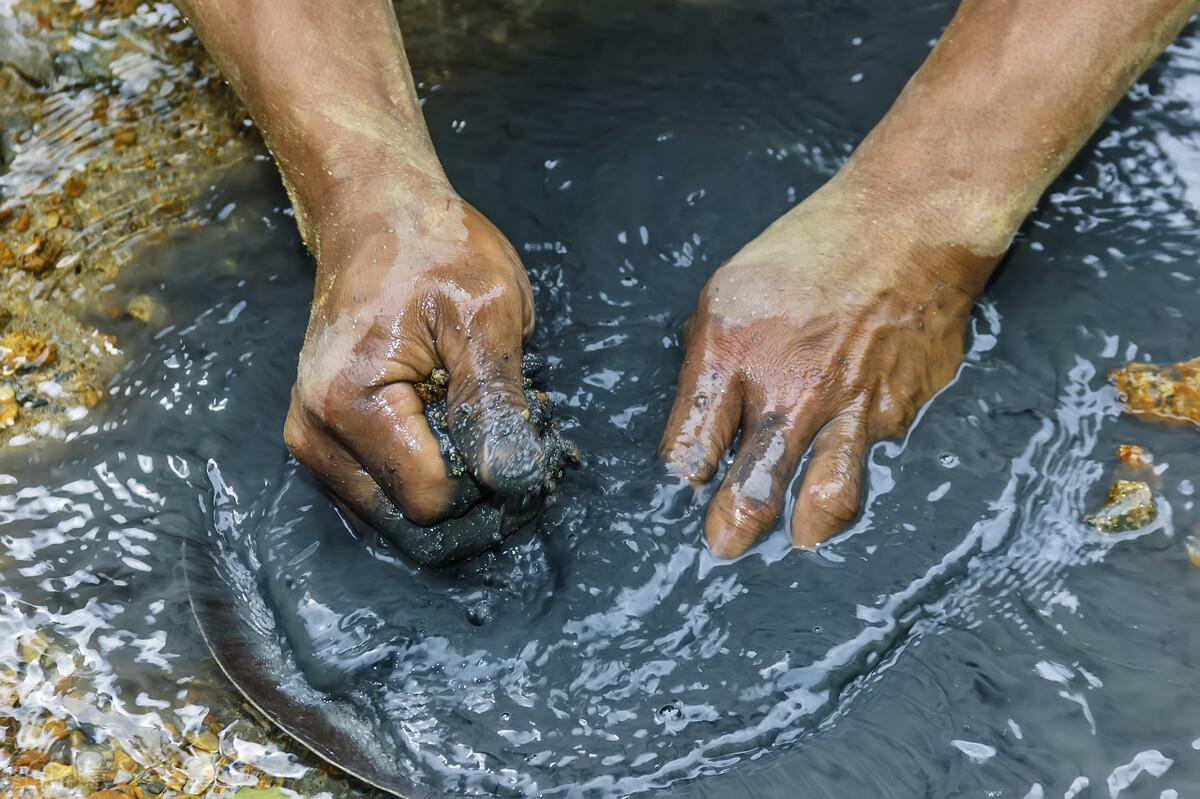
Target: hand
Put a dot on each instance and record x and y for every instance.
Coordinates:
(833, 327)
(410, 278)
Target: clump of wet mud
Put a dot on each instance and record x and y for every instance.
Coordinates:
(492, 517)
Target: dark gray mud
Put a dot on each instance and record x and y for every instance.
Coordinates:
(486, 518)
(970, 635)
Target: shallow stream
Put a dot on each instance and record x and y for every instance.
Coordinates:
(969, 636)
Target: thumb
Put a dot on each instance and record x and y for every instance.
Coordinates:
(488, 416)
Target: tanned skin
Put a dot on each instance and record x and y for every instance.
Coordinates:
(871, 279)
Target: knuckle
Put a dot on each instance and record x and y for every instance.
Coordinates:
(750, 515)
(420, 513)
(834, 497)
(422, 502)
(297, 437)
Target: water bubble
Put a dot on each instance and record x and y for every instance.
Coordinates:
(672, 711)
(480, 613)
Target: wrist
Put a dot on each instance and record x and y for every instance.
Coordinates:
(958, 208)
(350, 191)
(339, 159)
(399, 216)
(947, 243)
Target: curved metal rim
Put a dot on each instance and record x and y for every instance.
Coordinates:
(219, 625)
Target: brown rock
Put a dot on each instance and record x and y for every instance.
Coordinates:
(206, 741)
(41, 255)
(74, 185)
(56, 729)
(1160, 393)
(9, 409)
(26, 787)
(24, 349)
(23, 221)
(7, 259)
(124, 137)
(30, 761)
(1134, 456)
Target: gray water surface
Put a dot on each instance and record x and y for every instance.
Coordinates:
(968, 636)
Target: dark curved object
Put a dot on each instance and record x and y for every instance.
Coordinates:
(253, 661)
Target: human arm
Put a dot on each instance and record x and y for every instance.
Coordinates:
(837, 323)
(409, 277)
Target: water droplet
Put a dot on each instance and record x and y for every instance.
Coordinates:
(670, 712)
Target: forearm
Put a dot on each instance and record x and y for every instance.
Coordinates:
(1009, 95)
(329, 86)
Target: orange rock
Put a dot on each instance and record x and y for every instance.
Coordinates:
(26, 787)
(125, 137)
(55, 729)
(9, 409)
(23, 349)
(31, 761)
(40, 256)
(1134, 456)
(23, 221)
(74, 185)
(89, 395)
(1160, 393)
(7, 259)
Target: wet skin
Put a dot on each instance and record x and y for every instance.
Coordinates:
(831, 328)
(384, 316)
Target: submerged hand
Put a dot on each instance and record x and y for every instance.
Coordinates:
(412, 278)
(832, 327)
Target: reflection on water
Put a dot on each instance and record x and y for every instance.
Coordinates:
(970, 634)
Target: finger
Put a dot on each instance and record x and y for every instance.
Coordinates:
(704, 417)
(352, 488)
(386, 433)
(829, 498)
(752, 494)
(489, 417)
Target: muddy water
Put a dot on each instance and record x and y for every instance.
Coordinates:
(968, 636)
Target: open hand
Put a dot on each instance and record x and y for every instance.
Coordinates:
(833, 327)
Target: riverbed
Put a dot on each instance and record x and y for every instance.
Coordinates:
(969, 635)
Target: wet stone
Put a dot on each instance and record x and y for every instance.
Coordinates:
(1134, 456)
(9, 408)
(1129, 506)
(23, 349)
(1160, 393)
(21, 48)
